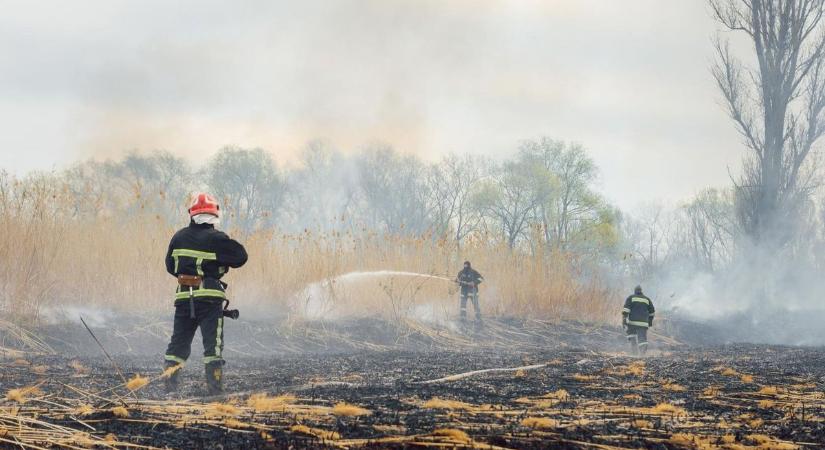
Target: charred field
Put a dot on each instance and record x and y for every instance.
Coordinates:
(558, 386)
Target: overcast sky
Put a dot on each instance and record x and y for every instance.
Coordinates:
(628, 79)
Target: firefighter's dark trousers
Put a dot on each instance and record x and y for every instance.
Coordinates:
(637, 336)
(209, 317)
(473, 296)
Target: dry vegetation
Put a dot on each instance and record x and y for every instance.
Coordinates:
(63, 260)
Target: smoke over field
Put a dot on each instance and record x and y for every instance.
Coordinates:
(636, 211)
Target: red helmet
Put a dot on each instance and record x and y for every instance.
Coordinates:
(203, 203)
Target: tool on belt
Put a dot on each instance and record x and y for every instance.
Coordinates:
(192, 282)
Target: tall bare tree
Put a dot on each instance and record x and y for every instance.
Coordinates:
(777, 106)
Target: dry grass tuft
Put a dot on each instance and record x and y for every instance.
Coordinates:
(84, 410)
(234, 423)
(766, 442)
(40, 370)
(766, 404)
(120, 411)
(21, 363)
(540, 423)
(316, 432)
(21, 395)
(641, 423)
(453, 434)
(560, 395)
(583, 378)
(136, 382)
(265, 403)
(728, 372)
(438, 403)
(747, 379)
(769, 390)
(673, 387)
(171, 370)
(667, 408)
(347, 410)
(78, 367)
(223, 409)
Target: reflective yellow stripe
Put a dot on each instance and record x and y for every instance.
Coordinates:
(640, 300)
(175, 359)
(638, 324)
(627, 310)
(194, 254)
(201, 293)
(209, 359)
(218, 340)
(176, 263)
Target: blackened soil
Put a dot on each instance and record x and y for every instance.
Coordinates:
(739, 396)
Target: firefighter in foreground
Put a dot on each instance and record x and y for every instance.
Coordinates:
(199, 256)
(637, 317)
(469, 279)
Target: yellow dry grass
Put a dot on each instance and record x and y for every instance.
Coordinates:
(769, 390)
(438, 403)
(120, 411)
(583, 378)
(234, 423)
(171, 370)
(265, 403)
(641, 423)
(673, 387)
(41, 231)
(316, 432)
(78, 367)
(453, 434)
(348, 410)
(540, 423)
(766, 442)
(84, 410)
(561, 395)
(222, 409)
(667, 408)
(21, 395)
(136, 382)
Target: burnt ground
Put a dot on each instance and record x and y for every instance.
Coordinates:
(575, 389)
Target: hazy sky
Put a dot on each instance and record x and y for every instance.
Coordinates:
(628, 79)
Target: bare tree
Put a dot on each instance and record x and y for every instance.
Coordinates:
(394, 190)
(451, 184)
(569, 205)
(248, 185)
(777, 107)
(709, 229)
(511, 197)
(321, 192)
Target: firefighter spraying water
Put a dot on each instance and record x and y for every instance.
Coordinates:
(199, 256)
(469, 279)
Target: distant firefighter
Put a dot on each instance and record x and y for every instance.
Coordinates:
(637, 317)
(199, 256)
(469, 279)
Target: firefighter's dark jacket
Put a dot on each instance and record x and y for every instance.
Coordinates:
(469, 276)
(200, 249)
(638, 311)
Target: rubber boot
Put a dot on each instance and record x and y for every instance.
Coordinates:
(634, 346)
(214, 377)
(172, 382)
